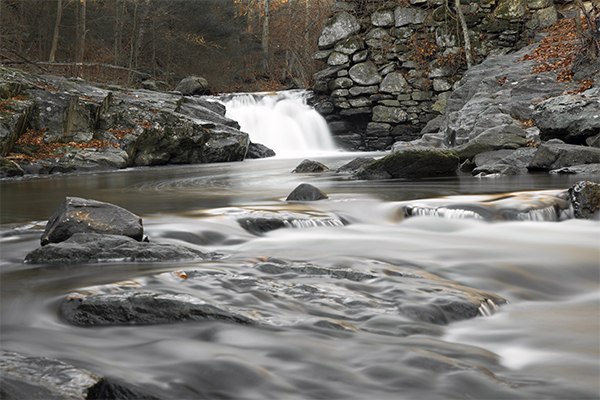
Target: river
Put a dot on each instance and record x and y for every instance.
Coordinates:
(320, 335)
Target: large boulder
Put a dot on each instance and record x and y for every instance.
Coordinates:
(93, 247)
(340, 26)
(504, 162)
(192, 85)
(555, 154)
(412, 163)
(571, 118)
(77, 215)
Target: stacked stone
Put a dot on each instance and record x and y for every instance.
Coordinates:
(376, 92)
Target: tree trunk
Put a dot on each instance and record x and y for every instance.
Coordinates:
(465, 30)
(56, 31)
(119, 11)
(265, 38)
(80, 9)
(142, 31)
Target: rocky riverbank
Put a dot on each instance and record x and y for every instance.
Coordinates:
(50, 124)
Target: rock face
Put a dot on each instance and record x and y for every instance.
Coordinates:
(77, 215)
(93, 247)
(412, 163)
(99, 127)
(392, 64)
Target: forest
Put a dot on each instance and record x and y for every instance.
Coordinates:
(237, 45)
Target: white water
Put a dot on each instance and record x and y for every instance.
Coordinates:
(281, 121)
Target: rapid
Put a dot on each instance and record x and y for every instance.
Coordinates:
(353, 299)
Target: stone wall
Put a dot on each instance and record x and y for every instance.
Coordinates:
(389, 66)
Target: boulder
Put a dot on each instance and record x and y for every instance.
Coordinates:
(306, 192)
(192, 85)
(496, 138)
(258, 150)
(412, 163)
(555, 154)
(94, 247)
(355, 166)
(571, 118)
(155, 86)
(584, 169)
(77, 215)
(340, 26)
(27, 378)
(310, 166)
(142, 308)
(585, 199)
(505, 162)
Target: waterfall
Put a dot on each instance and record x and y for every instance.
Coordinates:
(281, 121)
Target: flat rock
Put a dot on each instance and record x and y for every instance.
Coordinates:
(496, 138)
(77, 215)
(94, 247)
(555, 155)
(412, 163)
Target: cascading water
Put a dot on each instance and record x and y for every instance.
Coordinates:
(281, 121)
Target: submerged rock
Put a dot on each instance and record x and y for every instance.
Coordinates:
(93, 247)
(77, 215)
(142, 308)
(585, 199)
(28, 378)
(306, 192)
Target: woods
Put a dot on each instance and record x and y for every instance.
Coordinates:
(235, 44)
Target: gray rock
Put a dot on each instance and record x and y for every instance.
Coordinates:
(77, 215)
(350, 45)
(543, 18)
(378, 129)
(340, 26)
(336, 58)
(407, 16)
(309, 166)
(340, 83)
(497, 138)
(383, 18)
(94, 247)
(504, 162)
(10, 168)
(192, 85)
(365, 73)
(141, 308)
(585, 199)
(155, 86)
(571, 118)
(258, 150)
(510, 9)
(306, 192)
(393, 83)
(593, 141)
(413, 163)
(13, 123)
(550, 156)
(389, 114)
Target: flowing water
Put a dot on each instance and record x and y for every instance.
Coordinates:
(349, 297)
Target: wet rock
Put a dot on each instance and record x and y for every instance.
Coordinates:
(141, 308)
(93, 247)
(413, 163)
(554, 155)
(355, 166)
(258, 150)
(10, 168)
(310, 166)
(306, 192)
(585, 199)
(192, 85)
(28, 378)
(340, 26)
(590, 169)
(278, 267)
(260, 222)
(77, 215)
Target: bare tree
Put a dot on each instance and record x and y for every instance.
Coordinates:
(265, 38)
(56, 31)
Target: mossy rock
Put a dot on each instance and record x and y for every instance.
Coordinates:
(413, 163)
